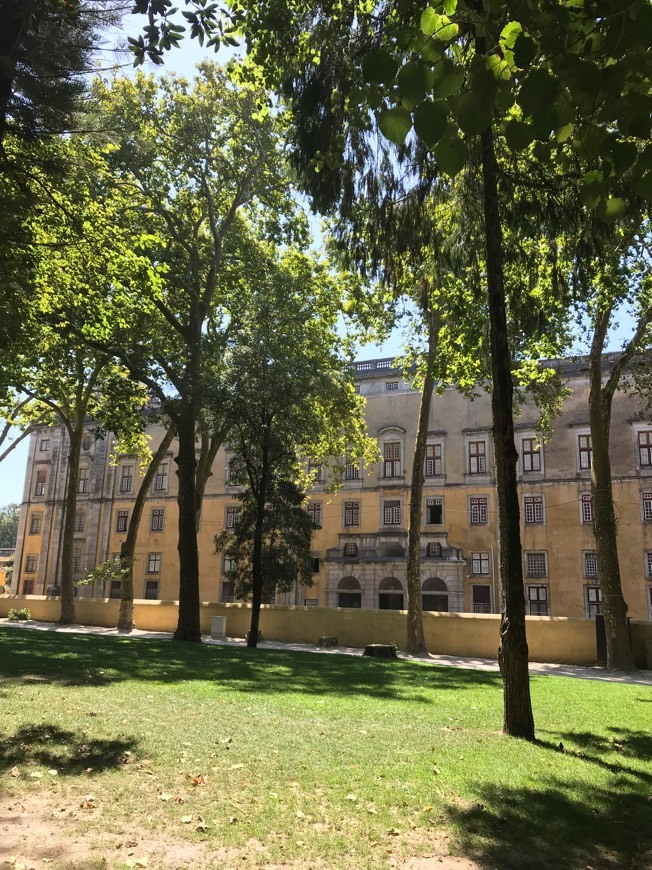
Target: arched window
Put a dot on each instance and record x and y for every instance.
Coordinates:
(349, 593)
(80, 521)
(390, 594)
(434, 595)
(87, 441)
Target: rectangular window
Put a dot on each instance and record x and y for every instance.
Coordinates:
(227, 595)
(593, 600)
(39, 487)
(434, 465)
(154, 563)
(590, 563)
(351, 550)
(646, 499)
(122, 521)
(44, 445)
(586, 508)
(82, 480)
(77, 559)
(645, 448)
(161, 479)
(390, 386)
(35, 522)
(479, 511)
(127, 479)
(352, 471)
(115, 589)
(433, 549)
(533, 509)
(648, 564)
(537, 599)
(477, 457)
(80, 521)
(314, 512)
(392, 457)
(585, 451)
(28, 586)
(392, 513)
(229, 564)
(232, 515)
(151, 589)
(536, 564)
(315, 563)
(316, 471)
(311, 602)
(158, 515)
(479, 563)
(30, 564)
(351, 513)
(434, 511)
(530, 454)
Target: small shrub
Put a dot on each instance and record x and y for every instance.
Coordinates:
(16, 615)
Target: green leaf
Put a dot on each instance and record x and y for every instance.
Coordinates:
(525, 50)
(564, 133)
(449, 78)
(537, 92)
(429, 20)
(622, 155)
(395, 124)
(451, 154)
(439, 26)
(611, 209)
(643, 185)
(473, 113)
(450, 6)
(592, 188)
(415, 80)
(430, 121)
(518, 135)
(510, 33)
(379, 67)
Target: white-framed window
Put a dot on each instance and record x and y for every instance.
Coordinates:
(533, 509)
(537, 599)
(44, 446)
(593, 601)
(391, 386)
(151, 590)
(314, 512)
(434, 460)
(433, 549)
(35, 524)
(316, 471)
(127, 478)
(229, 564)
(477, 452)
(82, 480)
(351, 513)
(232, 514)
(530, 454)
(392, 459)
(536, 564)
(350, 550)
(479, 510)
(39, 486)
(31, 563)
(479, 563)
(352, 470)
(80, 521)
(153, 563)
(646, 506)
(311, 602)
(434, 511)
(392, 512)
(161, 479)
(122, 521)
(157, 519)
(586, 508)
(584, 452)
(648, 564)
(590, 559)
(645, 448)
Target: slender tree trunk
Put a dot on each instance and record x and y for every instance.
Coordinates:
(257, 555)
(188, 625)
(614, 607)
(416, 642)
(128, 548)
(75, 434)
(210, 447)
(513, 652)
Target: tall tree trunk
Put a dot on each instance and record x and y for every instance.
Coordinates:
(257, 555)
(416, 642)
(614, 607)
(128, 548)
(210, 446)
(188, 625)
(513, 653)
(75, 434)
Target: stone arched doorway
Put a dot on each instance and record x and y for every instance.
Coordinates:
(349, 593)
(390, 594)
(434, 595)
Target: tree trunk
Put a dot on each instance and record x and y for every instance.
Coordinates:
(513, 651)
(188, 625)
(614, 607)
(128, 548)
(12, 21)
(210, 447)
(416, 642)
(75, 434)
(257, 555)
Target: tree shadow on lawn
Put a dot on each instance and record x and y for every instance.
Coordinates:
(601, 749)
(88, 660)
(560, 824)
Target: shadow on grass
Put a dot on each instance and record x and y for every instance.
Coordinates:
(82, 660)
(68, 753)
(563, 823)
(606, 750)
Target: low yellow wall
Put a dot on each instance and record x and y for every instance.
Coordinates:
(556, 639)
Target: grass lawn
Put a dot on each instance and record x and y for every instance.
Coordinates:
(128, 752)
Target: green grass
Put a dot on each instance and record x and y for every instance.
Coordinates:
(318, 760)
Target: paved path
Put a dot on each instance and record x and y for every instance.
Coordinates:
(641, 678)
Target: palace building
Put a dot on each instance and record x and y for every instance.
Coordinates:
(360, 552)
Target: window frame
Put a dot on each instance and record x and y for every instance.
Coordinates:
(531, 447)
(539, 601)
(476, 457)
(479, 506)
(592, 600)
(392, 510)
(151, 584)
(536, 564)
(431, 510)
(351, 514)
(231, 516)
(431, 462)
(44, 445)
(161, 477)
(126, 478)
(480, 560)
(31, 563)
(153, 563)
(533, 510)
(35, 524)
(646, 507)
(40, 483)
(122, 521)
(586, 509)
(314, 509)
(584, 451)
(590, 568)
(647, 447)
(392, 464)
(80, 521)
(157, 520)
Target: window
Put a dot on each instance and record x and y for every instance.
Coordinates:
(311, 602)
(314, 512)
(357, 390)
(227, 594)
(35, 522)
(434, 511)
(530, 455)
(158, 515)
(646, 499)
(590, 563)
(349, 593)
(122, 521)
(533, 509)
(315, 563)
(80, 521)
(77, 557)
(86, 442)
(593, 601)
(316, 471)
(30, 564)
(391, 386)
(434, 465)
(585, 451)
(392, 513)
(351, 550)
(351, 513)
(480, 599)
(648, 564)
(536, 564)
(151, 590)
(154, 563)
(477, 457)
(28, 586)
(115, 589)
(537, 599)
(161, 479)
(586, 508)
(434, 595)
(352, 471)
(127, 480)
(82, 480)
(44, 445)
(390, 594)
(479, 563)
(232, 515)
(645, 448)
(433, 549)
(479, 511)
(39, 487)
(392, 456)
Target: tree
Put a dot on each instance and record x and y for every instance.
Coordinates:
(8, 525)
